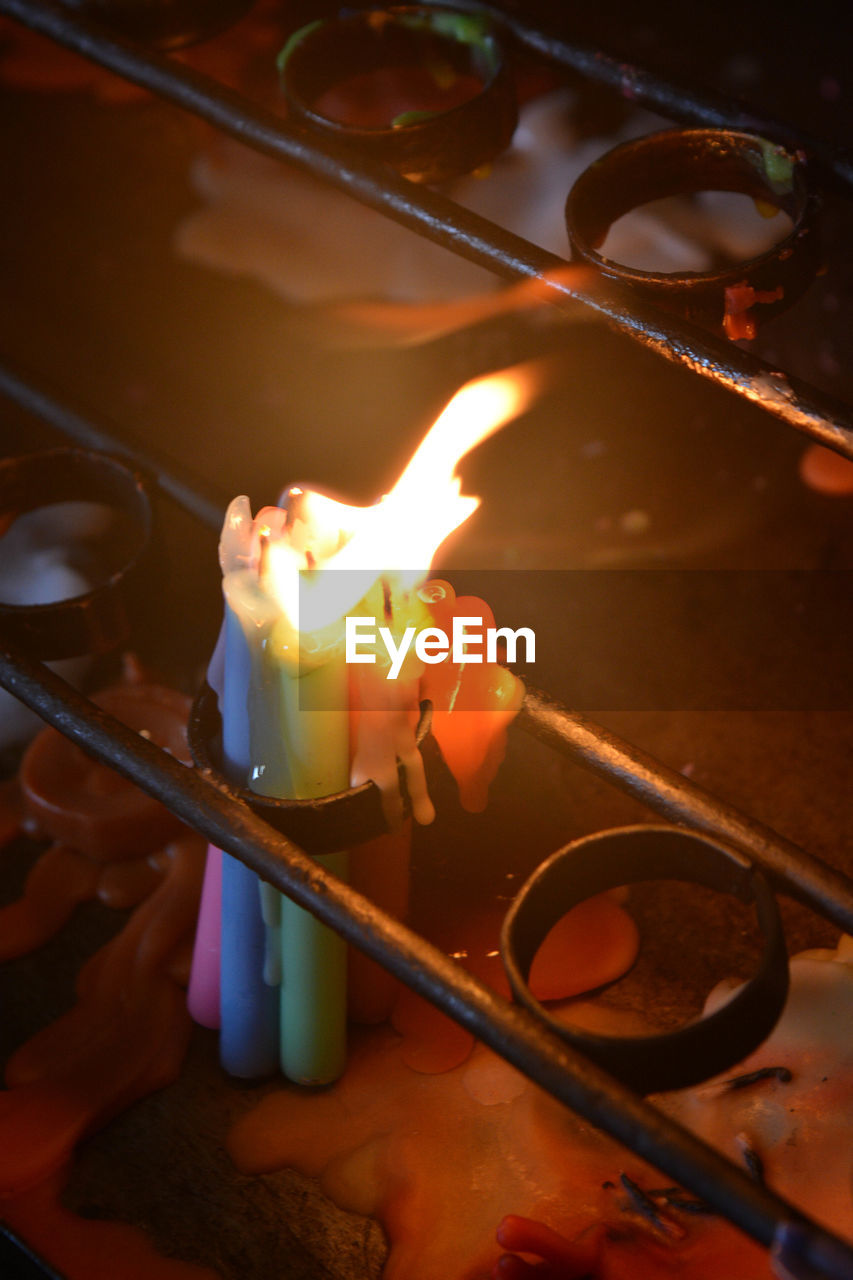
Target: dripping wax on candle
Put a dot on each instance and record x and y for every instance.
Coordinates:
(300, 712)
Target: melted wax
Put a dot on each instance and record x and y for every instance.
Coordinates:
(128, 1031)
(424, 1117)
(405, 1145)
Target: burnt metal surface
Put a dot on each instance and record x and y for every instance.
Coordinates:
(511, 1031)
(433, 215)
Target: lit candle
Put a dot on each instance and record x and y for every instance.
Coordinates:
(306, 571)
(300, 750)
(248, 1037)
(247, 1001)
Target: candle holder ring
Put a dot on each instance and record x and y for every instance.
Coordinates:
(323, 825)
(444, 70)
(95, 621)
(700, 1049)
(679, 162)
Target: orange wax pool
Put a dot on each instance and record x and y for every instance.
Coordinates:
(129, 1029)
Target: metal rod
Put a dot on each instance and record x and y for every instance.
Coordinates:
(25, 1264)
(684, 103)
(178, 484)
(668, 792)
(438, 218)
(510, 1031)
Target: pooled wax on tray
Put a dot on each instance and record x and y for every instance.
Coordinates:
(128, 1031)
(424, 1118)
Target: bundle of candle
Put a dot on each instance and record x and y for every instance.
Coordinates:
(298, 722)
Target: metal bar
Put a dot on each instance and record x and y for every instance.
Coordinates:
(438, 218)
(668, 792)
(681, 102)
(510, 1031)
(170, 479)
(18, 1260)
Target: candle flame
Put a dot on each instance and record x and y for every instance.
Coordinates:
(397, 538)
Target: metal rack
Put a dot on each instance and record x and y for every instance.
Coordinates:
(510, 1031)
(438, 218)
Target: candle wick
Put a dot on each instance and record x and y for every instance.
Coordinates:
(294, 507)
(263, 552)
(387, 605)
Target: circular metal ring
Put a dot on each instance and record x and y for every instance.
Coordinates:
(323, 825)
(94, 622)
(686, 161)
(628, 855)
(453, 49)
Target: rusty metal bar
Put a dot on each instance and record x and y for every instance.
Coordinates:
(435, 216)
(180, 485)
(509, 1030)
(685, 103)
(668, 792)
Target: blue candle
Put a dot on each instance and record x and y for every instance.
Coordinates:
(286, 722)
(248, 1004)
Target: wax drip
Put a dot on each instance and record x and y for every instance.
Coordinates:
(128, 1031)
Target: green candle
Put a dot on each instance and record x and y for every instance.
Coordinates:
(301, 710)
(308, 568)
(313, 957)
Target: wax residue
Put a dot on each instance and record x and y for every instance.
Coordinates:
(405, 1145)
(740, 320)
(125, 1037)
(786, 1110)
(88, 805)
(800, 1128)
(826, 471)
(473, 701)
(127, 1033)
(441, 1159)
(473, 704)
(424, 1118)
